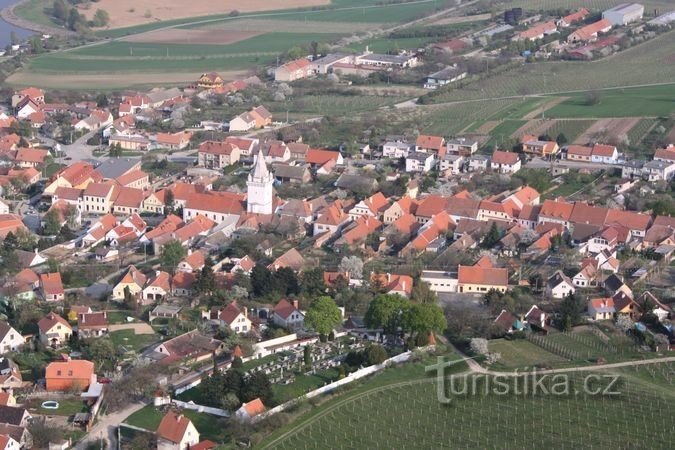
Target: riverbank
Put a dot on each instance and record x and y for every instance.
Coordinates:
(9, 16)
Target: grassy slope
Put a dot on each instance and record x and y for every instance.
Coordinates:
(647, 101)
(638, 416)
(639, 65)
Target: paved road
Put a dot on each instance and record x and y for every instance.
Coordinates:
(106, 427)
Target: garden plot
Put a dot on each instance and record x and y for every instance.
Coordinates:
(608, 130)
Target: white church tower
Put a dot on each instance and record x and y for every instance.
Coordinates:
(260, 183)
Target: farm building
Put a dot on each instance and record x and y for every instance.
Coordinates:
(446, 76)
(624, 14)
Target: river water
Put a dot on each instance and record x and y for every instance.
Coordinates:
(6, 28)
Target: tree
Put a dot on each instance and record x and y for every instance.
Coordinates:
(43, 432)
(323, 315)
(353, 265)
(593, 97)
(385, 311)
(479, 346)
(307, 356)
(10, 242)
(53, 265)
(52, 224)
(561, 139)
(102, 101)
(206, 280)
(257, 385)
(571, 310)
(285, 282)
(172, 253)
(312, 282)
(421, 293)
(261, 280)
(101, 351)
(101, 18)
(624, 323)
(375, 354)
(424, 318)
(294, 53)
(60, 10)
(169, 201)
(493, 236)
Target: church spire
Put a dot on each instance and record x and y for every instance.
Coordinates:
(260, 171)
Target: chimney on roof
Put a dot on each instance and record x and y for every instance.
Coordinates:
(245, 311)
(295, 304)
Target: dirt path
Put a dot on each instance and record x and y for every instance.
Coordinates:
(462, 19)
(139, 328)
(608, 130)
(106, 427)
(487, 127)
(535, 127)
(543, 108)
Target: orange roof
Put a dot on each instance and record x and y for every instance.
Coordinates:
(133, 276)
(241, 142)
(576, 16)
(320, 157)
(27, 276)
(431, 205)
(588, 214)
(51, 283)
(221, 202)
(590, 31)
(334, 215)
(131, 177)
(99, 189)
(599, 303)
(161, 280)
(376, 202)
(78, 173)
(76, 368)
(246, 263)
(47, 322)
(665, 153)
(10, 223)
(500, 157)
(32, 92)
(485, 262)
(195, 260)
(216, 148)
(254, 407)
(296, 64)
(173, 138)
(183, 280)
(284, 309)
(482, 276)
(407, 204)
(394, 282)
(406, 224)
(364, 226)
(197, 226)
(129, 197)
(579, 150)
(32, 155)
(629, 219)
(173, 427)
(431, 142)
(603, 150)
(538, 30)
(556, 209)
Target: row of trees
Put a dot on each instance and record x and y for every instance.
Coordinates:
(228, 390)
(396, 314)
(69, 16)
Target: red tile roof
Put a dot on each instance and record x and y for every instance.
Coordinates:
(431, 142)
(173, 427)
(51, 283)
(284, 309)
(216, 148)
(505, 158)
(254, 407)
(220, 202)
(47, 322)
(556, 210)
(321, 157)
(482, 276)
(31, 155)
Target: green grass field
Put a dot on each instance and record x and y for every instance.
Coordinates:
(648, 102)
(647, 63)
(572, 129)
(502, 133)
(640, 416)
(521, 353)
(209, 427)
(451, 119)
(67, 407)
(132, 341)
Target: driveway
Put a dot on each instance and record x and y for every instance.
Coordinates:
(106, 427)
(139, 328)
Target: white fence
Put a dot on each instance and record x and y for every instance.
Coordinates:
(201, 408)
(361, 373)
